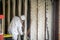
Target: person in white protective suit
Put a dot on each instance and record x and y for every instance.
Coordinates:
(15, 27)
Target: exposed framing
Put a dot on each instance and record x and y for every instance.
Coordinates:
(33, 26)
(8, 12)
(25, 29)
(14, 7)
(3, 20)
(41, 19)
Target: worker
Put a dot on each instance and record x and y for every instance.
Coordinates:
(15, 27)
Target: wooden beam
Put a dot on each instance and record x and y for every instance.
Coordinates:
(34, 17)
(14, 7)
(25, 30)
(19, 8)
(41, 19)
(49, 19)
(19, 12)
(3, 20)
(8, 12)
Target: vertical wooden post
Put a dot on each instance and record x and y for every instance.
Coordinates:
(19, 8)
(41, 19)
(0, 27)
(25, 30)
(34, 13)
(59, 19)
(8, 12)
(19, 12)
(3, 20)
(49, 13)
(14, 7)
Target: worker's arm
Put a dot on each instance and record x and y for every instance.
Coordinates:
(20, 27)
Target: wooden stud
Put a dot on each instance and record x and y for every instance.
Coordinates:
(19, 13)
(25, 29)
(41, 19)
(33, 26)
(49, 13)
(3, 20)
(19, 8)
(8, 12)
(14, 7)
(59, 19)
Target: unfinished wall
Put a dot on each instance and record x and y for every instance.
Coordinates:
(41, 17)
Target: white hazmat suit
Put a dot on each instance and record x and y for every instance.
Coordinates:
(15, 27)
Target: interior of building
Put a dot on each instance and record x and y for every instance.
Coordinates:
(42, 17)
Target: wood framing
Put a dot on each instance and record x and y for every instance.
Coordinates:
(14, 7)
(3, 20)
(34, 26)
(19, 8)
(25, 29)
(8, 12)
(41, 19)
(49, 18)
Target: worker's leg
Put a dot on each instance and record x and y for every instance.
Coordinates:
(15, 37)
(14, 34)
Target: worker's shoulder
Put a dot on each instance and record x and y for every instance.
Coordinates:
(16, 17)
